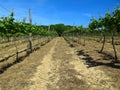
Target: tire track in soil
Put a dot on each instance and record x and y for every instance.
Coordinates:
(41, 77)
(64, 74)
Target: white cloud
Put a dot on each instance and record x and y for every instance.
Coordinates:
(87, 15)
(45, 20)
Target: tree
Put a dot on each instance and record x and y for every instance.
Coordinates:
(116, 19)
(110, 25)
(59, 28)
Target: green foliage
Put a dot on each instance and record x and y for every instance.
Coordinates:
(110, 23)
(9, 28)
(94, 24)
(59, 28)
(116, 19)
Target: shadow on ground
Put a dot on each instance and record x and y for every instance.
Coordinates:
(2, 70)
(91, 62)
(20, 59)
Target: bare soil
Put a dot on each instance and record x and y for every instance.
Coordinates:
(57, 66)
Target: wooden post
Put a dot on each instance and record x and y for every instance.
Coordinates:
(84, 34)
(49, 28)
(24, 19)
(16, 48)
(39, 41)
(30, 16)
(78, 38)
(29, 46)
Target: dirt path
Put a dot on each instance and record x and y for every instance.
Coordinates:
(61, 69)
(41, 76)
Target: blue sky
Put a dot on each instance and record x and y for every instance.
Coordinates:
(69, 12)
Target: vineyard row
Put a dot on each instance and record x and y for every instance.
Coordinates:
(16, 50)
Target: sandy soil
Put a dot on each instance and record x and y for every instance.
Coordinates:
(55, 67)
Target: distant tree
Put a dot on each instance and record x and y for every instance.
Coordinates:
(59, 28)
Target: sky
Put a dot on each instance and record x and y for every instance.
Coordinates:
(47, 12)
